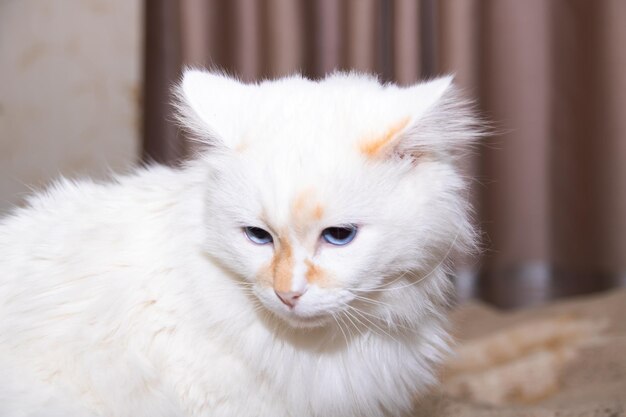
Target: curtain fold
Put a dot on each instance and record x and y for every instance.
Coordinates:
(550, 188)
(162, 62)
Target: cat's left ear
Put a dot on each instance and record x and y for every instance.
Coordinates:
(206, 104)
(438, 121)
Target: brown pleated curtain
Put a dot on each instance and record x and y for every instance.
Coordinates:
(550, 190)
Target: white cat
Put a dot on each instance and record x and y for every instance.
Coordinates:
(295, 268)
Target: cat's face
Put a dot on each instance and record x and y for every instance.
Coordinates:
(322, 194)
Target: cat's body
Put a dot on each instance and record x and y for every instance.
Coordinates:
(142, 296)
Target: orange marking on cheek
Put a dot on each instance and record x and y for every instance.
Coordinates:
(315, 274)
(265, 275)
(282, 267)
(372, 147)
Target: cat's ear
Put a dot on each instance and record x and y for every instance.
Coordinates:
(206, 104)
(437, 120)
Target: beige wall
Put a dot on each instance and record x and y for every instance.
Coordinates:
(69, 90)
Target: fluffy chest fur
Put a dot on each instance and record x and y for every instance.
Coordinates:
(264, 278)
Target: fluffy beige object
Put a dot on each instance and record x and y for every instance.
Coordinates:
(564, 359)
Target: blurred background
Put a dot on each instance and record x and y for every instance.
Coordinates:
(85, 89)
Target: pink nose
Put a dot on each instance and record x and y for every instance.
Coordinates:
(289, 298)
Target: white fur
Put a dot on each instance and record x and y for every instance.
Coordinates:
(141, 297)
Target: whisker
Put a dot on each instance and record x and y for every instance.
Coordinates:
(356, 311)
(370, 300)
(384, 323)
(340, 328)
(342, 316)
(355, 322)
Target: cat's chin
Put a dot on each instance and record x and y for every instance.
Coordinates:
(304, 322)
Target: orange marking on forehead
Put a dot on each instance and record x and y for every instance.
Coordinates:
(282, 267)
(318, 212)
(372, 147)
(241, 146)
(301, 201)
(315, 274)
(305, 210)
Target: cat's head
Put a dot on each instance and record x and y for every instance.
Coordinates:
(327, 194)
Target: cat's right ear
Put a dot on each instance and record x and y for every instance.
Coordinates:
(206, 104)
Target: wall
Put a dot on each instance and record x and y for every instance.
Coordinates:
(69, 90)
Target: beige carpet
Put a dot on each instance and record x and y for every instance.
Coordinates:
(563, 360)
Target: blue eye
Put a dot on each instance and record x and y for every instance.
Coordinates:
(258, 235)
(339, 236)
